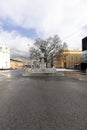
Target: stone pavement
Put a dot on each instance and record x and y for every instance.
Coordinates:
(76, 74)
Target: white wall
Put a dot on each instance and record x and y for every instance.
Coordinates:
(4, 57)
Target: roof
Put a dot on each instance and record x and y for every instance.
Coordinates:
(16, 60)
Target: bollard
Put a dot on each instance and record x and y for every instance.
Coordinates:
(86, 71)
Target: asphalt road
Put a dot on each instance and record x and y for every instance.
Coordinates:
(42, 103)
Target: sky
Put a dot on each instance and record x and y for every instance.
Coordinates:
(22, 21)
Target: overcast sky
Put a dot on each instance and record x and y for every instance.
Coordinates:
(22, 21)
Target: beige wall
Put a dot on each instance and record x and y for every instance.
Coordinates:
(69, 58)
(16, 64)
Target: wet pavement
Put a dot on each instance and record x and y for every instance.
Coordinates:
(76, 74)
(43, 103)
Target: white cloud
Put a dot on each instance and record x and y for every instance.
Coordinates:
(14, 40)
(63, 17)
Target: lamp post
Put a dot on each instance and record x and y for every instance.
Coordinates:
(28, 54)
(28, 47)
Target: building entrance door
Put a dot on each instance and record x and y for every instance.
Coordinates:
(64, 64)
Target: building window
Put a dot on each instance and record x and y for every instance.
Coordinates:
(76, 58)
(71, 58)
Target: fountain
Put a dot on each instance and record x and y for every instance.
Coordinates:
(42, 70)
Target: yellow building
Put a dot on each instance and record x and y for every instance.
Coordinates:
(68, 59)
(16, 64)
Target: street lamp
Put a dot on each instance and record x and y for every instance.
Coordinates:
(28, 46)
(28, 54)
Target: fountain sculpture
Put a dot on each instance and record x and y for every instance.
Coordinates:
(42, 70)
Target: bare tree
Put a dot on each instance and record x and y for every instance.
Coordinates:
(59, 53)
(53, 48)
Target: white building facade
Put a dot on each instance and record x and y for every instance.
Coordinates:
(4, 57)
